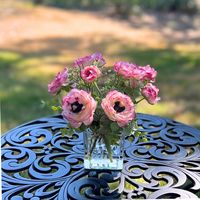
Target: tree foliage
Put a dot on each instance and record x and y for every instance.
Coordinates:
(124, 7)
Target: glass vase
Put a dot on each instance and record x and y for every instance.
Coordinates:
(96, 154)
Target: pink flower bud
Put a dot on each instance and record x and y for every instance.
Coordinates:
(150, 93)
(90, 73)
(60, 80)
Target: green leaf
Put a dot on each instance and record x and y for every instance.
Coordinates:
(67, 131)
(43, 104)
(108, 145)
(56, 108)
(70, 132)
(137, 134)
(63, 131)
(128, 130)
(114, 127)
(97, 98)
(66, 88)
(81, 128)
(114, 138)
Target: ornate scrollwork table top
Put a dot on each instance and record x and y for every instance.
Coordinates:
(38, 162)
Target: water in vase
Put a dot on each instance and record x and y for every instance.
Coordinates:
(99, 158)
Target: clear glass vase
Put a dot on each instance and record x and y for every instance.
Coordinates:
(96, 155)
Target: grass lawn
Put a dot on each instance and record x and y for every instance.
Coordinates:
(24, 84)
(27, 65)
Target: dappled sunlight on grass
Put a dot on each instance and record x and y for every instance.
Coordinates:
(28, 76)
(46, 70)
(195, 48)
(163, 108)
(7, 56)
(21, 92)
(171, 110)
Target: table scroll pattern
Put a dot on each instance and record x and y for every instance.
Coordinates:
(39, 163)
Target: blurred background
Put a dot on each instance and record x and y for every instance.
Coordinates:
(40, 37)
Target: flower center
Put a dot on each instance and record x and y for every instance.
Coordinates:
(89, 72)
(76, 107)
(118, 108)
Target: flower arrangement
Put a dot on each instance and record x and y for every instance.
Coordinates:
(103, 99)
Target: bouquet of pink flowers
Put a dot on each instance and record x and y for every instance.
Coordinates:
(103, 99)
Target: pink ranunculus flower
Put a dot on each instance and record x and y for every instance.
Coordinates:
(60, 80)
(150, 93)
(137, 73)
(149, 73)
(78, 107)
(90, 73)
(128, 70)
(118, 107)
(92, 59)
(123, 68)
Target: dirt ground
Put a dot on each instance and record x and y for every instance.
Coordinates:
(22, 25)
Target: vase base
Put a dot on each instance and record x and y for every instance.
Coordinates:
(116, 164)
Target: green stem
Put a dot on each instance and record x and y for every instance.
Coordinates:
(93, 145)
(88, 86)
(95, 84)
(139, 100)
(59, 98)
(117, 80)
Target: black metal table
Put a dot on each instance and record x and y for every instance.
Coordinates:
(39, 163)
